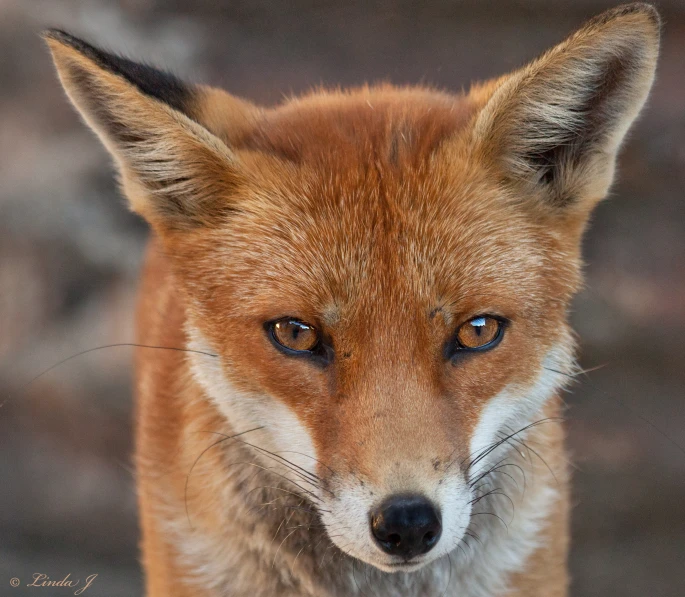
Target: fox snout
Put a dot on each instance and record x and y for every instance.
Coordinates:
(399, 531)
(401, 504)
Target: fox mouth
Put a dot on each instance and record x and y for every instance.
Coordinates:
(408, 565)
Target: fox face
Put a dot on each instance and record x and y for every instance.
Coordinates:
(384, 308)
(382, 311)
(378, 280)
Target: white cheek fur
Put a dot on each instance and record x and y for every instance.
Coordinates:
(282, 431)
(515, 407)
(346, 514)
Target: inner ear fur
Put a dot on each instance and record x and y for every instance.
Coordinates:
(553, 128)
(175, 172)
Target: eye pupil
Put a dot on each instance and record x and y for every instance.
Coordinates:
(478, 333)
(294, 335)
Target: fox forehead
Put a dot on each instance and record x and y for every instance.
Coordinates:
(380, 125)
(370, 201)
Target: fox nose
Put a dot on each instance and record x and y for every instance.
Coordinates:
(406, 526)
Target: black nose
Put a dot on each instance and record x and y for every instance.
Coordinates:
(406, 526)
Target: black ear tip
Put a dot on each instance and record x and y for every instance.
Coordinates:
(56, 34)
(63, 37)
(640, 9)
(67, 39)
(644, 8)
(156, 83)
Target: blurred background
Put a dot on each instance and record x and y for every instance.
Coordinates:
(70, 254)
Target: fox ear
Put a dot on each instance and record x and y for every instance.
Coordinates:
(175, 172)
(553, 128)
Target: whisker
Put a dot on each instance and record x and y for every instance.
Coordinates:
(487, 472)
(537, 454)
(277, 489)
(495, 492)
(96, 348)
(354, 576)
(270, 469)
(310, 510)
(449, 577)
(620, 402)
(283, 461)
(505, 439)
(279, 527)
(491, 514)
(501, 472)
(292, 566)
(198, 459)
(308, 456)
(306, 475)
(474, 536)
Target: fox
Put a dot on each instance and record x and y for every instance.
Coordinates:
(352, 328)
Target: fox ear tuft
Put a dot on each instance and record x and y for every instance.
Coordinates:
(175, 172)
(553, 128)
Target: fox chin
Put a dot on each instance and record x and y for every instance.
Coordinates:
(353, 317)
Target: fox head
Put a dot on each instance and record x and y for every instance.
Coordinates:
(384, 273)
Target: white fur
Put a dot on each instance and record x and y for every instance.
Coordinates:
(479, 570)
(282, 433)
(514, 407)
(505, 550)
(349, 511)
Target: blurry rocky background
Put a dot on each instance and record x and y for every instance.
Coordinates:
(70, 254)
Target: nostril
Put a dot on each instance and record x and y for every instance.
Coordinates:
(394, 538)
(430, 538)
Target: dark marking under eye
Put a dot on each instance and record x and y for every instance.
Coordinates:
(434, 312)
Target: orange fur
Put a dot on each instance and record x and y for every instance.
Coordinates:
(386, 217)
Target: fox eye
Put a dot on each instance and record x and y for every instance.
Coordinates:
(480, 333)
(294, 336)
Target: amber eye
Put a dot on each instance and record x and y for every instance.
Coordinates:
(295, 335)
(479, 333)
